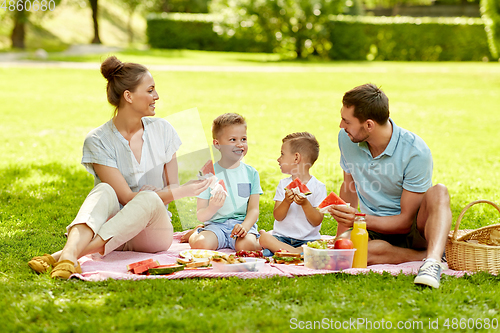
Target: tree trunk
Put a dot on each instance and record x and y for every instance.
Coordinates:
(19, 33)
(129, 26)
(96, 39)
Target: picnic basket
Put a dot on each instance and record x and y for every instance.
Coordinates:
(464, 255)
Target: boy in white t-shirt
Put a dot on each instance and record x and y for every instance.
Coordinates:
(297, 221)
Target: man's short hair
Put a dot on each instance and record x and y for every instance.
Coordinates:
(305, 144)
(369, 102)
(224, 120)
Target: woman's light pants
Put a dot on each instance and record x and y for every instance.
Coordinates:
(142, 225)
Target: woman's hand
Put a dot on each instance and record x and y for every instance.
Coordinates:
(217, 201)
(194, 187)
(343, 214)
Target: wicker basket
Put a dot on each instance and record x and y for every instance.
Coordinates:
(466, 256)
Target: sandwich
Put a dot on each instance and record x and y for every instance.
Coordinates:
(288, 258)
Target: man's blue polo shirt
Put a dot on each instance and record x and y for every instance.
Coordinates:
(406, 163)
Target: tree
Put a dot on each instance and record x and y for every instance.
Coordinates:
(95, 11)
(131, 6)
(19, 32)
(490, 10)
(21, 18)
(295, 27)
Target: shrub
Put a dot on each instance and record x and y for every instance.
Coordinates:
(293, 27)
(196, 32)
(490, 11)
(341, 37)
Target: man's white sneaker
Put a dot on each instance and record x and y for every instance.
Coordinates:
(429, 274)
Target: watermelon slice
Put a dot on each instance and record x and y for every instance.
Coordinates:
(207, 170)
(219, 186)
(165, 269)
(331, 199)
(221, 182)
(301, 187)
(139, 263)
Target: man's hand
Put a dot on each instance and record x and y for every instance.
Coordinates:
(239, 231)
(343, 214)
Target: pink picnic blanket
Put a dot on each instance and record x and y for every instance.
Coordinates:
(114, 266)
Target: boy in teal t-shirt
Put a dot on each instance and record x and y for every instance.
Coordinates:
(230, 217)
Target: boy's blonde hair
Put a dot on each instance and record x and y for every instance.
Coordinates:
(305, 144)
(224, 120)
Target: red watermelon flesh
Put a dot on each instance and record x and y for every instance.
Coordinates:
(331, 199)
(301, 186)
(139, 263)
(221, 182)
(207, 169)
(144, 268)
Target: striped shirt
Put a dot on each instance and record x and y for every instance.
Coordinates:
(106, 146)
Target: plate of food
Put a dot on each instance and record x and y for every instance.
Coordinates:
(231, 263)
(191, 254)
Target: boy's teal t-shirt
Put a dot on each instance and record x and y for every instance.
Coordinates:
(241, 182)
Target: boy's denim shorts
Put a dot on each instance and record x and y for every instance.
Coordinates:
(292, 241)
(223, 232)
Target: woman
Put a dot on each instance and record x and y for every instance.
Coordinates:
(133, 160)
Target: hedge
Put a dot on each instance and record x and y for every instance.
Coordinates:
(408, 39)
(195, 32)
(490, 12)
(351, 37)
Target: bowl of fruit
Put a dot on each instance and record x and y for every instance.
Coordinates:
(317, 255)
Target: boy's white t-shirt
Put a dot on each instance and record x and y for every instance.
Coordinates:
(295, 224)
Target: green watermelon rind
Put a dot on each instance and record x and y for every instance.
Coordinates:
(165, 270)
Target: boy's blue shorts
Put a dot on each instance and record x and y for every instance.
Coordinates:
(223, 232)
(287, 240)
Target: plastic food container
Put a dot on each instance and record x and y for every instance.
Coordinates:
(251, 265)
(330, 259)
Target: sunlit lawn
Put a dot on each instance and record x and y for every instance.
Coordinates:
(46, 113)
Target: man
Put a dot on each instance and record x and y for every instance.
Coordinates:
(388, 171)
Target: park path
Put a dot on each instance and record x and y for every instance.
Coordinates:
(363, 67)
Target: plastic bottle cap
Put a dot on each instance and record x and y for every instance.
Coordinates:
(360, 214)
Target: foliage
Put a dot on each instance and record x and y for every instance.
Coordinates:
(341, 37)
(490, 10)
(196, 32)
(295, 28)
(407, 39)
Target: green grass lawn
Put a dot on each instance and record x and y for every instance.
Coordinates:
(46, 113)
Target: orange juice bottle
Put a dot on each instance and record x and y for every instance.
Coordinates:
(359, 238)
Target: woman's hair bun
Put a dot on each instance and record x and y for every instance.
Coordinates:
(110, 67)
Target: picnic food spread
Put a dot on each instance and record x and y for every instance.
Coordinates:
(359, 237)
(254, 254)
(318, 255)
(288, 258)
